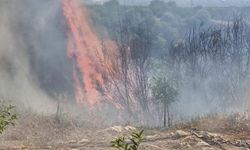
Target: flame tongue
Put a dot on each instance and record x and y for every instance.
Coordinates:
(82, 47)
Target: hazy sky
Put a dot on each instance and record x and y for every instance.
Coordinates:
(195, 2)
(216, 2)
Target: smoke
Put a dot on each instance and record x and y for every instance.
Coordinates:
(35, 67)
(32, 64)
(45, 35)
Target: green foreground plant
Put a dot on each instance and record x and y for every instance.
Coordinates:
(7, 116)
(128, 143)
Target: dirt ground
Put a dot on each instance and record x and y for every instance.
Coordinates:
(211, 133)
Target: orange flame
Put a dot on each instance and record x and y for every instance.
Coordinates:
(86, 50)
(82, 47)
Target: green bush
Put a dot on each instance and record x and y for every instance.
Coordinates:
(7, 116)
(128, 143)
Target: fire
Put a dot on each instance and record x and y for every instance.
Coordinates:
(82, 48)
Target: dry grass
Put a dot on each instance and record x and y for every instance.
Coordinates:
(34, 129)
(234, 125)
(46, 130)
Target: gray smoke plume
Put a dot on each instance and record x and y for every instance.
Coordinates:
(33, 62)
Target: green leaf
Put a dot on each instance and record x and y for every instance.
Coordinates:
(125, 143)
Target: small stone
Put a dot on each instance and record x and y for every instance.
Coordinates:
(180, 134)
(202, 143)
(117, 128)
(130, 128)
(72, 141)
(83, 141)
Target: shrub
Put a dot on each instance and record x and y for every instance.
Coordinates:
(7, 116)
(131, 143)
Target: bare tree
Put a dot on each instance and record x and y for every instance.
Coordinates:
(128, 75)
(221, 52)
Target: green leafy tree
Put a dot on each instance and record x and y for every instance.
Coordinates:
(165, 92)
(131, 143)
(7, 116)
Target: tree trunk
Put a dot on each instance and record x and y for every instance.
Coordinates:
(165, 114)
(169, 119)
(58, 111)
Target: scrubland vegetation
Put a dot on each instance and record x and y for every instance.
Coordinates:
(202, 52)
(182, 74)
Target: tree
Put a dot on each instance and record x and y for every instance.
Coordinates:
(130, 61)
(142, 36)
(219, 52)
(165, 92)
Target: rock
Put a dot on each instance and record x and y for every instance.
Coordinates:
(72, 141)
(117, 129)
(182, 145)
(20, 147)
(181, 134)
(130, 128)
(208, 135)
(151, 137)
(202, 144)
(83, 141)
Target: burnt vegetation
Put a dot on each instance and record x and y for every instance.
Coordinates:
(186, 57)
